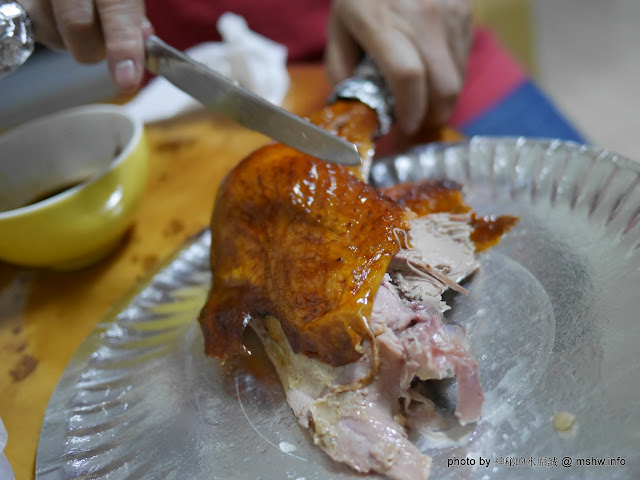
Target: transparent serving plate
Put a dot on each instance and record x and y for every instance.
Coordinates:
(553, 317)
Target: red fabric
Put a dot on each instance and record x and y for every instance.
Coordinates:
(300, 25)
(492, 73)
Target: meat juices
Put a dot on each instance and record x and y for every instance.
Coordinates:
(343, 285)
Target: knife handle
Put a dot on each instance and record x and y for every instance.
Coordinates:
(368, 86)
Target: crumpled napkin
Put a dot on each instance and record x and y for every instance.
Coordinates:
(255, 62)
(6, 473)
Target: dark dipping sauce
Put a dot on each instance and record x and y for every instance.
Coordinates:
(47, 194)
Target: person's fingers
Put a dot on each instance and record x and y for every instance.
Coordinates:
(402, 68)
(420, 47)
(43, 23)
(122, 28)
(459, 26)
(378, 30)
(91, 30)
(79, 26)
(445, 78)
(342, 52)
(397, 58)
(444, 46)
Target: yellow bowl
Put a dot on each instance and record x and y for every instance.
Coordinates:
(69, 186)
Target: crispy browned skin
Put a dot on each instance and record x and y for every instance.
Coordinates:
(429, 196)
(308, 242)
(302, 240)
(349, 119)
(487, 231)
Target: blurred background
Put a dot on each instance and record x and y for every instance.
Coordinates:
(584, 54)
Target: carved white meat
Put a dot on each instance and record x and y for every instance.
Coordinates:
(364, 426)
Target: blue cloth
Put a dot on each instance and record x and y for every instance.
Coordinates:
(524, 112)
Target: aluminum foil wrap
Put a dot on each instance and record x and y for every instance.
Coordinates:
(368, 86)
(16, 39)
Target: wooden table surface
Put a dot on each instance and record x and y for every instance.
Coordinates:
(45, 315)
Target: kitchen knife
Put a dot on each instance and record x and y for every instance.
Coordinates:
(244, 107)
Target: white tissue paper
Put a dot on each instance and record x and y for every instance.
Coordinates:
(6, 473)
(254, 61)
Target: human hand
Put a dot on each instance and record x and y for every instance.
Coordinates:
(94, 30)
(420, 47)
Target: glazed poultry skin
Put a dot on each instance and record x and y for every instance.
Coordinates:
(304, 241)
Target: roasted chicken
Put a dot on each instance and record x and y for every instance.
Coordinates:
(342, 282)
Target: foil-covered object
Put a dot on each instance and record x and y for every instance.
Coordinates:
(368, 86)
(16, 39)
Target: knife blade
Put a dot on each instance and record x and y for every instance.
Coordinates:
(229, 99)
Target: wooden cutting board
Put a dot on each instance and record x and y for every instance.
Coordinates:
(44, 315)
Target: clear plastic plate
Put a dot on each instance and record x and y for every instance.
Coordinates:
(553, 318)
